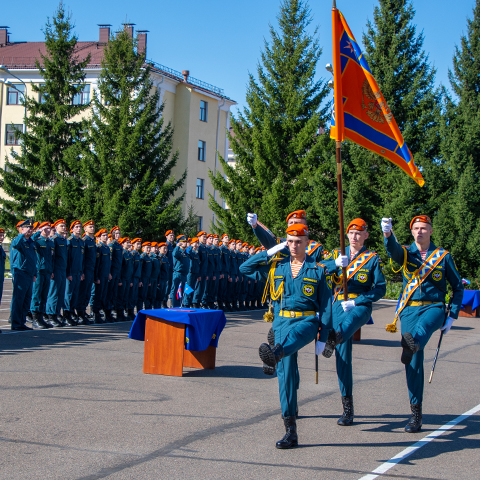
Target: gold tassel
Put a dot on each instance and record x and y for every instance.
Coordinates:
(392, 327)
(268, 316)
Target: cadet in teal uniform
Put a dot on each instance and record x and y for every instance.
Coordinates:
(45, 265)
(144, 283)
(232, 285)
(424, 311)
(365, 286)
(137, 274)
(299, 290)
(101, 275)
(75, 267)
(210, 272)
(203, 255)
(3, 257)
(224, 273)
(217, 272)
(126, 278)
(56, 292)
(24, 271)
(163, 276)
(194, 270)
(181, 266)
(152, 291)
(268, 239)
(116, 255)
(170, 237)
(89, 271)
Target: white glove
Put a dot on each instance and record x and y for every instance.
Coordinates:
(276, 249)
(341, 261)
(319, 347)
(386, 225)
(448, 325)
(348, 305)
(252, 219)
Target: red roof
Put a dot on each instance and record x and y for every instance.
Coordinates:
(23, 55)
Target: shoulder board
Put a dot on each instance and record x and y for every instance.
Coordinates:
(70, 238)
(406, 247)
(321, 265)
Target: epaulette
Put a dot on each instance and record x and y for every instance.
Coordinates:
(321, 265)
(70, 237)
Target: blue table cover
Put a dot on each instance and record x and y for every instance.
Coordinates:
(471, 297)
(203, 327)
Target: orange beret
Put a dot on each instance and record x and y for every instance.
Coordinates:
(244, 244)
(75, 222)
(210, 235)
(357, 224)
(35, 225)
(146, 244)
(153, 244)
(44, 224)
(181, 238)
(298, 230)
(232, 241)
(101, 232)
(420, 219)
(135, 240)
(216, 236)
(19, 223)
(297, 214)
(251, 246)
(199, 234)
(257, 249)
(116, 227)
(126, 239)
(121, 241)
(189, 240)
(168, 232)
(2, 230)
(88, 222)
(239, 241)
(194, 240)
(223, 236)
(58, 222)
(161, 244)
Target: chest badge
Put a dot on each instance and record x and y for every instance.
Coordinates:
(308, 290)
(362, 277)
(437, 276)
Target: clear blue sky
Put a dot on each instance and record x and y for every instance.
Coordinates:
(220, 41)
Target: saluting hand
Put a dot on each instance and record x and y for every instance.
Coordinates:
(82, 278)
(52, 276)
(386, 226)
(252, 219)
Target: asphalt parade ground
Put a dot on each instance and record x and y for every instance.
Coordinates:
(76, 405)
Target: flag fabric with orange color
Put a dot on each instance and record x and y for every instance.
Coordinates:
(364, 116)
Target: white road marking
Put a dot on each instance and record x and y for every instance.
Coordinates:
(421, 443)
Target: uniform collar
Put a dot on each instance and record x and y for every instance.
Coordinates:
(414, 249)
(347, 252)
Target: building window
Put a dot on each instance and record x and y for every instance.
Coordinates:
(199, 224)
(11, 134)
(202, 147)
(203, 111)
(200, 183)
(42, 96)
(14, 97)
(83, 97)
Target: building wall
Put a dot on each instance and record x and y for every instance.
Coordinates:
(181, 108)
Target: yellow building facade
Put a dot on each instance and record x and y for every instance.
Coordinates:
(199, 113)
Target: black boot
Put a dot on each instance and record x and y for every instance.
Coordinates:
(194, 305)
(290, 439)
(409, 348)
(334, 338)
(415, 423)
(37, 321)
(121, 316)
(98, 320)
(82, 318)
(53, 321)
(109, 317)
(271, 337)
(270, 357)
(347, 417)
(131, 314)
(29, 317)
(68, 318)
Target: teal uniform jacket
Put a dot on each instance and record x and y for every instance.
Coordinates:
(203, 255)
(45, 248)
(210, 262)
(170, 257)
(61, 254)
(3, 257)
(164, 268)
(155, 268)
(25, 258)
(217, 263)
(90, 254)
(225, 260)
(423, 321)
(56, 292)
(269, 240)
(75, 256)
(307, 292)
(181, 262)
(116, 256)
(369, 284)
(102, 263)
(127, 267)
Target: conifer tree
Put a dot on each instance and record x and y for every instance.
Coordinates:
(129, 165)
(457, 225)
(275, 137)
(45, 177)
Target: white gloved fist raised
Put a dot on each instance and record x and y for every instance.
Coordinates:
(341, 261)
(348, 305)
(386, 225)
(252, 219)
(276, 249)
(319, 347)
(448, 325)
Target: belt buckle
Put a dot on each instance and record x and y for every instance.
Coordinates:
(292, 314)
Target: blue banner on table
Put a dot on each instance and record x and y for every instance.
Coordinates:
(202, 327)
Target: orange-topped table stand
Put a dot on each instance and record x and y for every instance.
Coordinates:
(165, 352)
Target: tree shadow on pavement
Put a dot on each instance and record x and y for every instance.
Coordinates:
(231, 371)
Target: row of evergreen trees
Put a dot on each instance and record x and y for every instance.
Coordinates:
(110, 160)
(283, 164)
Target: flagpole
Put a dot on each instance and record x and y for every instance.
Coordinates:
(338, 99)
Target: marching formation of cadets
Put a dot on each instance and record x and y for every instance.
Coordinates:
(56, 276)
